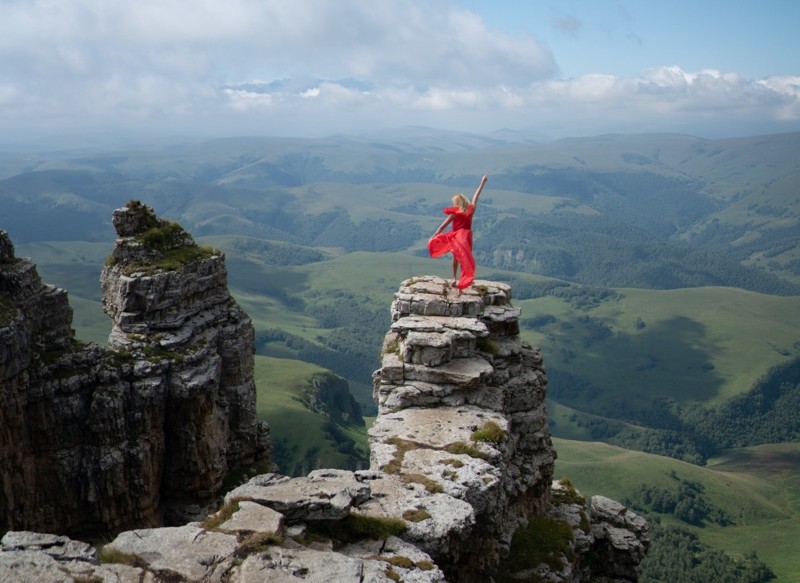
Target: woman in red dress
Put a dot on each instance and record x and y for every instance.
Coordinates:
(458, 241)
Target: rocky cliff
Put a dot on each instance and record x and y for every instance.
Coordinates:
(459, 489)
(93, 440)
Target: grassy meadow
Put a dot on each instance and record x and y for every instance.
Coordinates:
(701, 345)
(758, 486)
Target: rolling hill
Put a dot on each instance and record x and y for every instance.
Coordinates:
(660, 274)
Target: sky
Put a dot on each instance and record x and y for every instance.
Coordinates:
(312, 68)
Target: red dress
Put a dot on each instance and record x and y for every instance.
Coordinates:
(458, 242)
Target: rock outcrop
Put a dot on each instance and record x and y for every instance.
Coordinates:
(459, 489)
(94, 440)
(461, 416)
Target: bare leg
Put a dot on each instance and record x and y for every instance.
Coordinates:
(455, 272)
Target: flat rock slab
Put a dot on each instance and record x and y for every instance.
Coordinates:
(30, 557)
(437, 427)
(449, 519)
(322, 495)
(253, 517)
(461, 476)
(461, 371)
(440, 324)
(379, 554)
(191, 551)
(501, 313)
(420, 394)
(61, 548)
(280, 565)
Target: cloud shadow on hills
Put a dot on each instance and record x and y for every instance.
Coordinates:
(632, 376)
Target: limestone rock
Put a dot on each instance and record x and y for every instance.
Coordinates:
(437, 523)
(95, 439)
(189, 551)
(290, 565)
(462, 417)
(253, 517)
(622, 538)
(28, 557)
(322, 495)
(461, 455)
(461, 414)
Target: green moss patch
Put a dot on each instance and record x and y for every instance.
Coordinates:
(112, 555)
(567, 494)
(430, 485)
(172, 259)
(486, 344)
(402, 446)
(542, 540)
(355, 527)
(257, 542)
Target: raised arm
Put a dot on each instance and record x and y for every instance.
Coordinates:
(477, 194)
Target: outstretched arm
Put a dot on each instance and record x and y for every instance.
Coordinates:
(446, 222)
(477, 194)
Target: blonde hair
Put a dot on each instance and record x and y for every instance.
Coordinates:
(461, 202)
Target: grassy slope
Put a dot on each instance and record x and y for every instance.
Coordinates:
(278, 384)
(698, 344)
(757, 486)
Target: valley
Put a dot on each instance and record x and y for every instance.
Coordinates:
(659, 274)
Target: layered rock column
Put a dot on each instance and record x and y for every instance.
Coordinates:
(193, 343)
(93, 440)
(56, 428)
(461, 415)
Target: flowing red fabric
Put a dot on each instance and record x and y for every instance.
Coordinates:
(458, 242)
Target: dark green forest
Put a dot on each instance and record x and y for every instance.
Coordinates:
(677, 555)
(767, 413)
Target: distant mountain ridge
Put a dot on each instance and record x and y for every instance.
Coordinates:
(576, 225)
(734, 197)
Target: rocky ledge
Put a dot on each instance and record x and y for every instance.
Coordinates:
(459, 489)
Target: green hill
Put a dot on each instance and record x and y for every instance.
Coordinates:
(305, 437)
(731, 199)
(660, 274)
(756, 487)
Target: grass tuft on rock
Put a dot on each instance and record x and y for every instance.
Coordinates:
(490, 432)
(355, 527)
(416, 515)
(112, 555)
(464, 448)
(227, 510)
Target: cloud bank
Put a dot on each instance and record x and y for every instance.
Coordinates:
(312, 67)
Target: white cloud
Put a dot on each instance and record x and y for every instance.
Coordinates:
(206, 66)
(397, 40)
